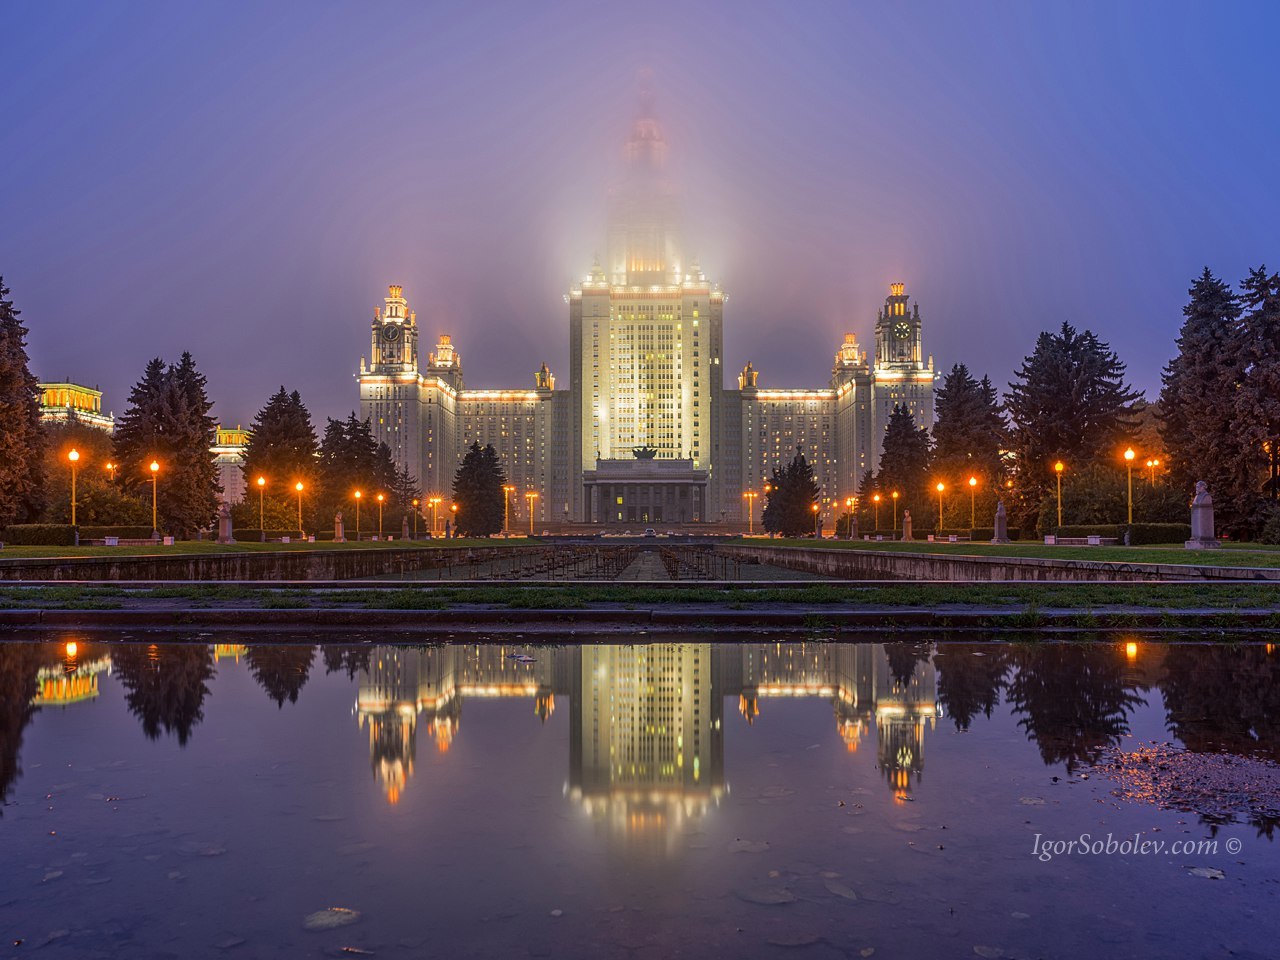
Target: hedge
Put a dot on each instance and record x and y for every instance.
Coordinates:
(251, 534)
(40, 535)
(1139, 533)
(124, 533)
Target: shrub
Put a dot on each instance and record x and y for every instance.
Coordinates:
(1139, 533)
(251, 534)
(124, 533)
(40, 535)
(1271, 529)
(987, 533)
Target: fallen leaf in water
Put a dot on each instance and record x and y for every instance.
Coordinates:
(330, 918)
(1209, 873)
(748, 846)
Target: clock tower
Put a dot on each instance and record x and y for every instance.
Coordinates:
(902, 375)
(395, 335)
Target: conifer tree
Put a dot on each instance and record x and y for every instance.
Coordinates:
(282, 445)
(21, 441)
(1257, 405)
(1198, 405)
(477, 491)
(905, 463)
(789, 501)
(1068, 401)
(968, 430)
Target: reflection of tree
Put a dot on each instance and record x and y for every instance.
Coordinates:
(165, 686)
(1223, 698)
(969, 680)
(350, 659)
(19, 664)
(1073, 699)
(903, 658)
(281, 669)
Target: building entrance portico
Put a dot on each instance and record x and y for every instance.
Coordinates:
(644, 491)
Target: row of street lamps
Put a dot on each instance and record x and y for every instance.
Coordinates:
(73, 456)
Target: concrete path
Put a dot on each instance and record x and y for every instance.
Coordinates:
(647, 566)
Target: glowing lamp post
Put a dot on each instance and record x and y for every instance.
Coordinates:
(1057, 469)
(531, 496)
(435, 502)
(750, 497)
(453, 507)
(415, 519)
(111, 469)
(1128, 462)
(1151, 467)
(359, 496)
(973, 487)
(506, 509)
(875, 498)
(380, 499)
(817, 512)
(155, 473)
(895, 511)
(298, 486)
(262, 523)
(73, 456)
(940, 487)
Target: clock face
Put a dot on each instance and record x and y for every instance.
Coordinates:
(391, 332)
(902, 330)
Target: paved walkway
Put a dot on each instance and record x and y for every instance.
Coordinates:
(647, 566)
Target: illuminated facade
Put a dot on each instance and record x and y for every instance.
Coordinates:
(228, 457)
(72, 401)
(646, 388)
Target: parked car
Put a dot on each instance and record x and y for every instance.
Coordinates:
(650, 532)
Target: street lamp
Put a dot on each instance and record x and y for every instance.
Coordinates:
(875, 498)
(1128, 462)
(973, 486)
(111, 469)
(507, 490)
(1151, 466)
(816, 513)
(531, 496)
(415, 518)
(1057, 469)
(298, 486)
(895, 512)
(359, 495)
(941, 486)
(73, 456)
(380, 499)
(750, 497)
(155, 472)
(261, 513)
(454, 508)
(435, 502)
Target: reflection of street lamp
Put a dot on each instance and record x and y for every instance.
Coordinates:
(973, 486)
(531, 496)
(1128, 462)
(895, 511)
(816, 513)
(298, 486)
(1058, 468)
(875, 498)
(507, 490)
(941, 486)
(73, 456)
(262, 524)
(750, 497)
(359, 496)
(380, 499)
(155, 472)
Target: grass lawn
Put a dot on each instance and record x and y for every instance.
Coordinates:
(1231, 555)
(206, 548)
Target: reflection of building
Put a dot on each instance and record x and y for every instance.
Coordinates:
(72, 401)
(646, 395)
(73, 678)
(646, 721)
(228, 455)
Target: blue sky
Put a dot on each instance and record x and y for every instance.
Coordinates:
(243, 180)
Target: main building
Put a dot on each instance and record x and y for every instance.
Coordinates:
(646, 432)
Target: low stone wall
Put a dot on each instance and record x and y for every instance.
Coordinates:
(282, 565)
(855, 564)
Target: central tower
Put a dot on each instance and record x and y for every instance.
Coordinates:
(645, 339)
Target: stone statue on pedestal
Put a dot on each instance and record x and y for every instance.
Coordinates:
(225, 533)
(404, 527)
(339, 529)
(1202, 534)
(1001, 532)
(906, 524)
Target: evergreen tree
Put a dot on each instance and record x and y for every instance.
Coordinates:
(20, 665)
(790, 498)
(404, 491)
(1068, 401)
(905, 464)
(969, 440)
(477, 490)
(349, 461)
(1198, 405)
(21, 442)
(168, 421)
(281, 670)
(1257, 403)
(282, 445)
(166, 685)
